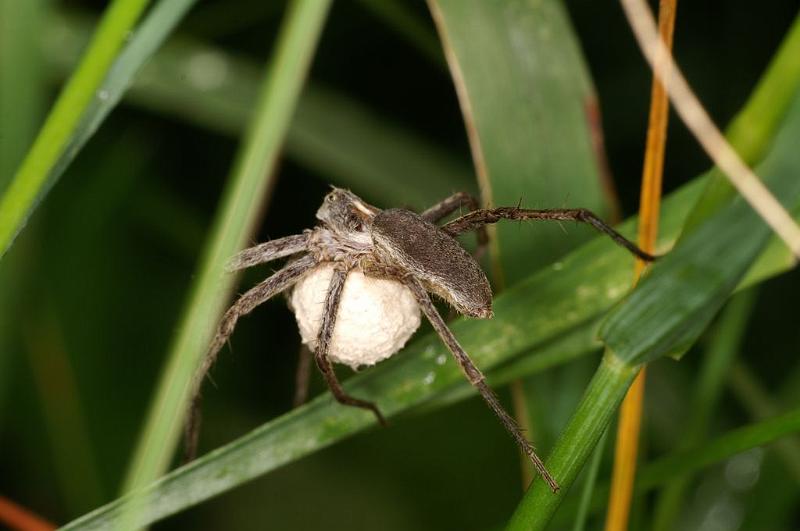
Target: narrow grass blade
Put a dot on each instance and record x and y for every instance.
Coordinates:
(572, 344)
(701, 272)
(698, 121)
(331, 134)
(537, 311)
(691, 461)
(39, 169)
(240, 206)
(759, 403)
(730, 444)
(748, 132)
(588, 423)
(525, 96)
(533, 313)
(777, 506)
(159, 23)
(713, 258)
(588, 489)
(396, 386)
(626, 445)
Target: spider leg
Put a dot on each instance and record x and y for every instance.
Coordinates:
(480, 218)
(267, 251)
(278, 282)
(332, 300)
(477, 379)
(301, 377)
(450, 205)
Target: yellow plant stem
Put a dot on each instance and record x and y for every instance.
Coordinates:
(627, 445)
(625, 453)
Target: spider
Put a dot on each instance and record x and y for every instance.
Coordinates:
(401, 256)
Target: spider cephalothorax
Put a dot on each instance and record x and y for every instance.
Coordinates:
(345, 213)
(364, 274)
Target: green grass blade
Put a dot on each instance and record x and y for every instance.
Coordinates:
(524, 92)
(396, 386)
(533, 313)
(693, 460)
(590, 420)
(701, 272)
(588, 489)
(331, 134)
(749, 132)
(159, 23)
(572, 344)
(760, 405)
(38, 170)
(715, 257)
(730, 444)
(776, 506)
(778, 90)
(240, 206)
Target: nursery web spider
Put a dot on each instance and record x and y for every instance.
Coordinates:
(407, 252)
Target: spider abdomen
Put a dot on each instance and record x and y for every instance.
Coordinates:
(374, 320)
(416, 245)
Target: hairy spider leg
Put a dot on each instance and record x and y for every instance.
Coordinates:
(451, 204)
(332, 300)
(267, 252)
(479, 218)
(262, 292)
(477, 379)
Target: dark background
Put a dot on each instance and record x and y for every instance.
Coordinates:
(111, 252)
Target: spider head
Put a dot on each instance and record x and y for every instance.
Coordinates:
(343, 211)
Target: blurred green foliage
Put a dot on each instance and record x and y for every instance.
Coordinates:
(91, 291)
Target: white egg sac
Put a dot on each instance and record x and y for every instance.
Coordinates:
(374, 320)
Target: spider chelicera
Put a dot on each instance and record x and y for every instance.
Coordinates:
(406, 252)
